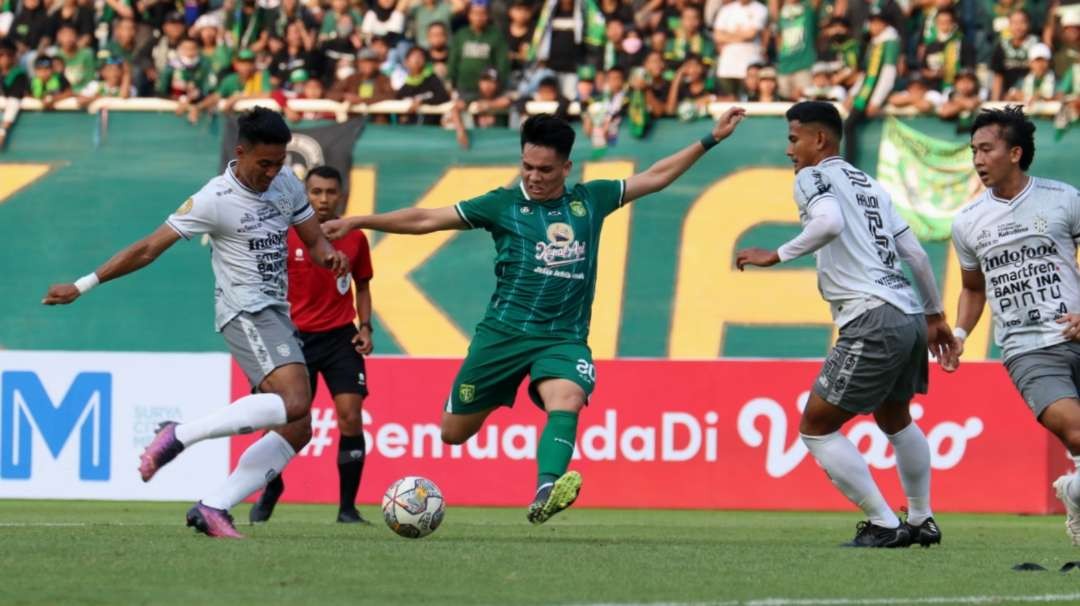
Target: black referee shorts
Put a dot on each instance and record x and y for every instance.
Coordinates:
(333, 354)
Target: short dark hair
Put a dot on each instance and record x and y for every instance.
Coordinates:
(325, 172)
(545, 130)
(8, 45)
(817, 112)
(416, 49)
(262, 125)
(1016, 129)
(948, 10)
(617, 68)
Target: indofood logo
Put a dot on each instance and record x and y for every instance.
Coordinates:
(561, 247)
(1018, 257)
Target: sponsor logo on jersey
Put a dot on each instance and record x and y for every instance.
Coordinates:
(577, 208)
(561, 247)
(185, 208)
(526, 210)
(271, 241)
(1017, 257)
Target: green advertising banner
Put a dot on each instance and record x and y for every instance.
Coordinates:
(667, 285)
(930, 179)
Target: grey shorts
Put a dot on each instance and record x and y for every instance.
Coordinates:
(880, 357)
(1046, 375)
(263, 341)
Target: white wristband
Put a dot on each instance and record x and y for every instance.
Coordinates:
(960, 333)
(87, 282)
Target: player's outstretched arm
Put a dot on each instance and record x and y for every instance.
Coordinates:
(405, 221)
(968, 312)
(132, 258)
(825, 224)
(320, 248)
(665, 171)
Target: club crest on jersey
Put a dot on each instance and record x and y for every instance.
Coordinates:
(466, 393)
(561, 247)
(343, 284)
(577, 208)
(1040, 224)
(526, 210)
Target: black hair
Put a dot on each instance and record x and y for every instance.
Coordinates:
(326, 172)
(948, 10)
(817, 112)
(617, 68)
(439, 24)
(416, 49)
(545, 130)
(6, 44)
(548, 82)
(1016, 129)
(262, 125)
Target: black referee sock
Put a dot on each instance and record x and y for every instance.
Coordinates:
(351, 451)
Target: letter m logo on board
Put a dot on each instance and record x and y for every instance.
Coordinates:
(25, 407)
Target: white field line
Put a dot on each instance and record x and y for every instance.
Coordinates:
(970, 599)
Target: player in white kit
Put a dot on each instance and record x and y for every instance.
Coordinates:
(246, 212)
(1017, 248)
(879, 361)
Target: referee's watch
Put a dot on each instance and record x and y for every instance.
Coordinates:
(367, 325)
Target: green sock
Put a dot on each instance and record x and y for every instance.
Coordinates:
(556, 446)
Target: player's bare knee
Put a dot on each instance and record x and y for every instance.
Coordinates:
(1071, 439)
(297, 433)
(297, 404)
(350, 422)
(454, 436)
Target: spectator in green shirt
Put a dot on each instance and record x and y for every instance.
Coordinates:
(474, 49)
(217, 54)
(879, 68)
(186, 77)
(425, 12)
(114, 80)
(942, 58)
(688, 40)
(79, 64)
(796, 47)
(843, 52)
(245, 82)
(48, 85)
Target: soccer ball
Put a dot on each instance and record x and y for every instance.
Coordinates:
(413, 507)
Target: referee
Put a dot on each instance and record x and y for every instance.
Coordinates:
(323, 310)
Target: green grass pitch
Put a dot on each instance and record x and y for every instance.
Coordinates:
(57, 552)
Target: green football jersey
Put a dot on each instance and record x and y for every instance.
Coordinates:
(546, 255)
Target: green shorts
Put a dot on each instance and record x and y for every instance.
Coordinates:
(499, 359)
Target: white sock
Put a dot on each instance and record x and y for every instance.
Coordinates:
(848, 471)
(913, 467)
(1073, 490)
(248, 414)
(261, 461)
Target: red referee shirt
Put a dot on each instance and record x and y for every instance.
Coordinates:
(319, 301)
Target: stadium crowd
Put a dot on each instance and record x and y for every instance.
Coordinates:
(482, 60)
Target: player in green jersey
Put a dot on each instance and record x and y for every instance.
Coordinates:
(547, 236)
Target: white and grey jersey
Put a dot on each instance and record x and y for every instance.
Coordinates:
(248, 238)
(859, 269)
(1026, 250)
